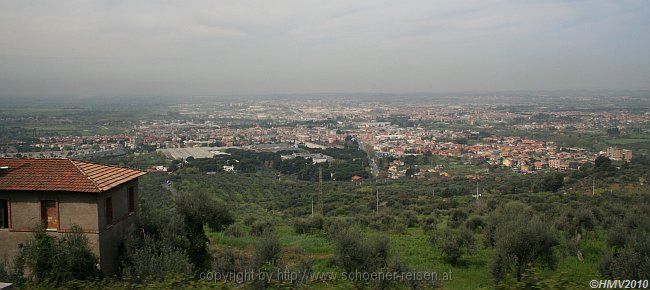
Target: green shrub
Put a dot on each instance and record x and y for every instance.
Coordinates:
(397, 265)
(521, 243)
(303, 266)
(453, 243)
(199, 209)
(616, 236)
(398, 228)
(503, 215)
(630, 260)
(59, 259)
(229, 261)
(152, 259)
(204, 208)
(309, 225)
(334, 226)
(475, 223)
(5, 271)
(575, 221)
(74, 260)
(260, 228)
(235, 230)
(355, 252)
(267, 250)
(410, 218)
(457, 217)
(429, 224)
(11, 274)
(249, 220)
(388, 222)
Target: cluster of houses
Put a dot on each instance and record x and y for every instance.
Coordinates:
(521, 154)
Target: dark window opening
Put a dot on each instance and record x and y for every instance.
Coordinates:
(108, 214)
(4, 214)
(131, 199)
(50, 214)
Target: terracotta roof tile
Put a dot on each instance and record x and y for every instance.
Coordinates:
(62, 175)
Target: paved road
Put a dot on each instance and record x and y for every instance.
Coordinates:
(374, 169)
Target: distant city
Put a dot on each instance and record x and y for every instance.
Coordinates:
(525, 139)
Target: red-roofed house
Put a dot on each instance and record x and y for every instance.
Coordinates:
(60, 193)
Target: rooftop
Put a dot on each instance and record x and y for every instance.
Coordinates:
(61, 175)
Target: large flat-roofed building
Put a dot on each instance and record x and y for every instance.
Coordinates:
(61, 193)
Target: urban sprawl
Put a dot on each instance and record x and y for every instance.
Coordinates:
(384, 130)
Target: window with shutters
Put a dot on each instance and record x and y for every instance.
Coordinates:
(50, 214)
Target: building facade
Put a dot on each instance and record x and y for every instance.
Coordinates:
(62, 193)
(616, 153)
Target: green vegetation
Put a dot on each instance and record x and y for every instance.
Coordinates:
(625, 141)
(349, 161)
(542, 230)
(53, 261)
(533, 231)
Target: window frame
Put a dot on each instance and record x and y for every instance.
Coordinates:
(109, 217)
(43, 217)
(7, 210)
(130, 196)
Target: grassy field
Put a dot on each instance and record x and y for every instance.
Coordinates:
(261, 201)
(414, 248)
(638, 145)
(626, 141)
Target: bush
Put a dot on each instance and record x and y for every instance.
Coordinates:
(429, 224)
(617, 236)
(260, 228)
(629, 261)
(454, 243)
(38, 255)
(5, 271)
(59, 259)
(522, 243)
(388, 222)
(457, 217)
(576, 221)
(235, 231)
(249, 220)
(397, 265)
(303, 266)
(267, 250)
(410, 218)
(334, 226)
(167, 229)
(228, 261)
(11, 274)
(475, 223)
(309, 225)
(399, 228)
(503, 215)
(204, 208)
(152, 259)
(197, 210)
(355, 252)
(75, 261)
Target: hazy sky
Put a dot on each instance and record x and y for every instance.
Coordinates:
(126, 48)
